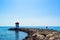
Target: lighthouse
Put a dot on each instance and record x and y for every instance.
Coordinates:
(17, 24)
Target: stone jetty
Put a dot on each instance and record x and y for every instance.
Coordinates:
(39, 34)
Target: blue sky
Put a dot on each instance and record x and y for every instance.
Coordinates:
(30, 12)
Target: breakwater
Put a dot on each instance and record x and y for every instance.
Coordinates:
(39, 34)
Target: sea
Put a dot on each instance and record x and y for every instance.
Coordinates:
(6, 34)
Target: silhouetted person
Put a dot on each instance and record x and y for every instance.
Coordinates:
(46, 27)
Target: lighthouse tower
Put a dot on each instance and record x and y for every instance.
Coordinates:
(17, 24)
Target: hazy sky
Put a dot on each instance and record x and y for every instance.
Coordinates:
(30, 12)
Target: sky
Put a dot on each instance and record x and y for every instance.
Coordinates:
(30, 12)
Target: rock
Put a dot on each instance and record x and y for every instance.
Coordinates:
(29, 39)
(51, 38)
(55, 33)
(50, 35)
(38, 36)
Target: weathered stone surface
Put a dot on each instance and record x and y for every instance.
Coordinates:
(40, 34)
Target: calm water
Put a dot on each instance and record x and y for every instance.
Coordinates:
(5, 34)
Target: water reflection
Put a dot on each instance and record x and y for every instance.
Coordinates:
(20, 35)
(17, 35)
